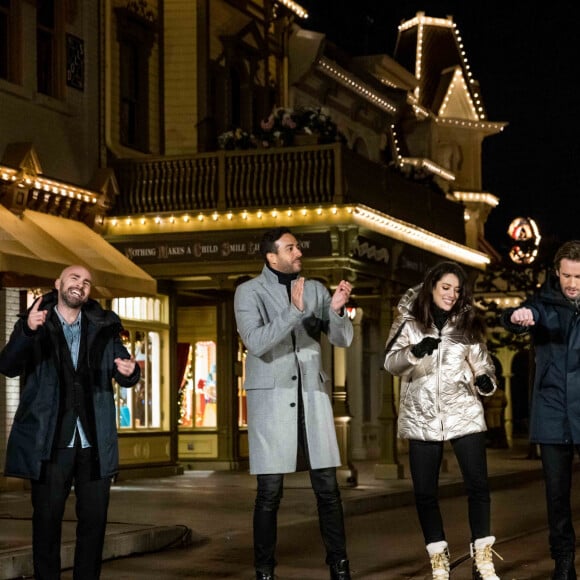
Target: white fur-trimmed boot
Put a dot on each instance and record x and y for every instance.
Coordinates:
(482, 554)
(439, 556)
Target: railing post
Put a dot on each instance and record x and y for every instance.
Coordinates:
(221, 192)
(338, 186)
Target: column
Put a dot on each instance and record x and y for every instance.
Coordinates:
(355, 387)
(506, 357)
(346, 473)
(388, 466)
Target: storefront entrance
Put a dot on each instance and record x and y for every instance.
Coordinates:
(211, 400)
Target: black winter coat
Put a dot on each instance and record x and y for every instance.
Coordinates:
(555, 409)
(34, 356)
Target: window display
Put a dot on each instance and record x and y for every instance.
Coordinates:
(141, 407)
(198, 391)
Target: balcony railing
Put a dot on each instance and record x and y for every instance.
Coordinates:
(279, 178)
(230, 179)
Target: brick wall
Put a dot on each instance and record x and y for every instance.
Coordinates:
(9, 388)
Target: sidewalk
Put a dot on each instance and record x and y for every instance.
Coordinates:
(147, 515)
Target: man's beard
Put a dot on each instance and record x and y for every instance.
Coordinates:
(73, 301)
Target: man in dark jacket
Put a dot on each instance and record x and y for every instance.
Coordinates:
(67, 351)
(551, 315)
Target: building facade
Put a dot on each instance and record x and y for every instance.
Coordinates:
(54, 189)
(374, 162)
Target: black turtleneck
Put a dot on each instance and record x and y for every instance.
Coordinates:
(440, 316)
(284, 278)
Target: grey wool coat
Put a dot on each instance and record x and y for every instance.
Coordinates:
(266, 321)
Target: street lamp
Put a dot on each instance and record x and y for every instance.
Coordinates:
(351, 312)
(526, 240)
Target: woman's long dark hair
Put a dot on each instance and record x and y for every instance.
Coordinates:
(467, 321)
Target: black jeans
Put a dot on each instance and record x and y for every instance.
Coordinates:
(557, 462)
(425, 461)
(330, 516)
(49, 495)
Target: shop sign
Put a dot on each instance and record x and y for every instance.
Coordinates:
(214, 247)
(368, 251)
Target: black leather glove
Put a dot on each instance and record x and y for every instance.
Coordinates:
(484, 384)
(426, 346)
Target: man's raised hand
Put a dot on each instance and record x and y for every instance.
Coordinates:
(36, 317)
(341, 295)
(298, 293)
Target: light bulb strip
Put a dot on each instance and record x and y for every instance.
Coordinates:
(497, 127)
(326, 215)
(420, 21)
(458, 84)
(476, 197)
(294, 7)
(419, 237)
(350, 81)
(429, 165)
(45, 185)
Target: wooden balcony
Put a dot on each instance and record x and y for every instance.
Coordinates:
(279, 178)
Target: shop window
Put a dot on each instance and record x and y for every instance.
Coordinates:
(134, 81)
(145, 321)
(140, 406)
(198, 388)
(135, 34)
(152, 309)
(49, 47)
(9, 41)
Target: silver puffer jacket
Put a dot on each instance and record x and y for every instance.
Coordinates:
(439, 400)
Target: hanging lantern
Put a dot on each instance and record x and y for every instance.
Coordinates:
(526, 238)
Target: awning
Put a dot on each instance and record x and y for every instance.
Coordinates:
(36, 247)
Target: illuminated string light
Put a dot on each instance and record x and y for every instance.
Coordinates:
(360, 215)
(350, 81)
(422, 163)
(295, 7)
(476, 197)
(48, 185)
(421, 23)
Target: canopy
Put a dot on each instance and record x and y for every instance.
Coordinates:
(36, 247)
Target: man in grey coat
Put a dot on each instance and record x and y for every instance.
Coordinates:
(280, 318)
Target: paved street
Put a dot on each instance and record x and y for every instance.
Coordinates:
(384, 545)
(199, 526)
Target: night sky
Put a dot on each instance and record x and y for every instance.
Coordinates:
(526, 59)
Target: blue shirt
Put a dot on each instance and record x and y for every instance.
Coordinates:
(72, 334)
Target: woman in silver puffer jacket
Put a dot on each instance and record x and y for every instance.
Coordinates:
(436, 345)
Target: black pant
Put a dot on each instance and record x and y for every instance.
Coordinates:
(49, 495)
(330, 516)
(425, 461)
(557, 461)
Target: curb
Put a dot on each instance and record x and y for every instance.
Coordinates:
(124, 539)
(17, 563)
